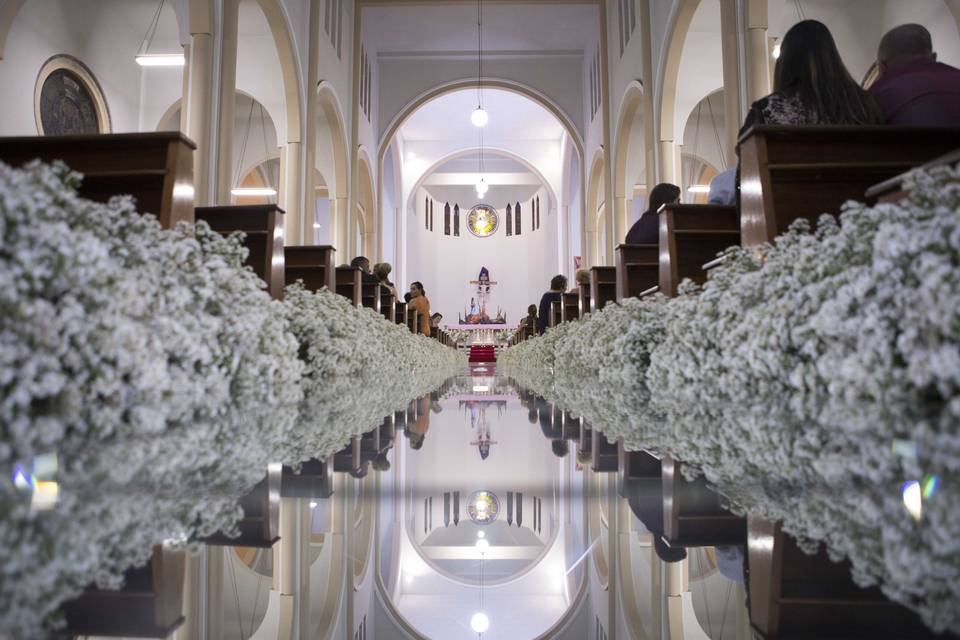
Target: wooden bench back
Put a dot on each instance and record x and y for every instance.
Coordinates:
(262, 226)
(570, 307)
(584, 298)
(637, 270)
(313, 265)
(370, 295)
(692, 235)
(155, 168)
(349, 284)
(789, 172)
(388, 305)
(603, 287)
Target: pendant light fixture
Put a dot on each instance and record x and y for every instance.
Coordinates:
(252, 192)
(699, 189)
(479, 117)
(146, 59)
(480, 622)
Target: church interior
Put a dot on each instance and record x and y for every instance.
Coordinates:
(480, 319)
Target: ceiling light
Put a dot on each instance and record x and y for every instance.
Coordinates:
(776, 51)
(253, 192)
(313, 504)
(483, 544)
(479, 117)
(479, 622)
(699, 188)
(482, 188)
(481, 534)
(316, 225)
(161, 60)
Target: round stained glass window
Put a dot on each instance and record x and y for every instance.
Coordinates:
(68, 99)
(483, 507)
(483, 220)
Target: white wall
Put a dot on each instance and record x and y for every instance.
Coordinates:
(103, 34)
(521, 265)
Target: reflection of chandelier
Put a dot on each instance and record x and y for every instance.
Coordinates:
(483, 507)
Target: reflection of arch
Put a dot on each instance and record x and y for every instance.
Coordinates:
(593, 246)
(488, 151)
(328, 102)
(623, 180)
(365, 203)
(490, 83)
(289, 64)
(8, 12)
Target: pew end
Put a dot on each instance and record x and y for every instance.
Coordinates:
(603, 287)
(260, 524)
(690, 236)
(349, 284)
(311, 264)
(637, 267)
(693, 514)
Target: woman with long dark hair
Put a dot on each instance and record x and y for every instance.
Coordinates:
(812, 85)
(646, 230)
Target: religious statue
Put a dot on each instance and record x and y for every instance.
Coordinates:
(478, 304)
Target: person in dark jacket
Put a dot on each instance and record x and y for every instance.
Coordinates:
(557, 286)
(914, 89)
(646, 230)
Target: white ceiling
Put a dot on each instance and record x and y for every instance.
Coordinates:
(512, 117)
(542, 26)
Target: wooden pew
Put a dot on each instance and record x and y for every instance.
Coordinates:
(603, 287)
(313, 480)
(692, 512)
(261, 515)
(155, 168)
(795, 596)
(556, 313)
(692, 235)
(788, 172)
(569, 307)
(893, 190)
(586, 438)
(311, 264)
(571, 426)
(605, 458)
(262, 226)
(349, 284)
(637, 270)
(148, 606)
(584, 298)
(413, 320)
(400, 313)
(370, 295)
(388, 305)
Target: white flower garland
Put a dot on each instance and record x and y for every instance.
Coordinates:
(808, 381)
(165, 379)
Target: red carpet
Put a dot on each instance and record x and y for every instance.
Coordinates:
(483, 353)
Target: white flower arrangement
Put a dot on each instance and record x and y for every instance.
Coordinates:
(164, 379)
(808, 381)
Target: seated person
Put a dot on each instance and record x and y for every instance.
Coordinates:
(435, 320)
(646, 230)
(557, 286)
(420, 305)
(914, 89)
(381, 271)
(812, 85)
(366, 276)
(531, 320)
(723, 188)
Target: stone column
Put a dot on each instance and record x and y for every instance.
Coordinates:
(197, 105)
(730, 42)
(338, 227)
(310, 144)
(228, 92)
(291, 192)
(757, 55)
(668, 159)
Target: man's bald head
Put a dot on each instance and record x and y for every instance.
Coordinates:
(905, 44)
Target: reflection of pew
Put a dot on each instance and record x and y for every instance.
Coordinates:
(388, 305)
(794, 596)
(893, 190)
(349, 284)
(584, 298)
(586, 438)
(603, 287)
(692, 513)
(313, 480)
(413, 320)
(313, 265)
(571, 426)
(155, 168)
(556, 316)
(604, 458)
(262, 226)
(370, 296)
(636, 270)
(641, 483)
(349, 458)
(261, 513)
(569, 307)
(148, 605)
(400, 315)
(788, 173)
(637, 467)
(692, 235)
